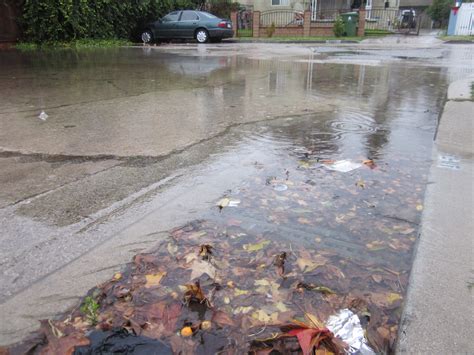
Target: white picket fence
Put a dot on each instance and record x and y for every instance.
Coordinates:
(465, 21)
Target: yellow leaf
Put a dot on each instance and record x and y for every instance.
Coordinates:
(153, 280)
(314, 320)
(239, 292)
(263, 317)
(281, 307)
(243, 310)
(393, 297)
(419, 207)
(224, 202)
(255, 247)
(117, 276)
(262, 282)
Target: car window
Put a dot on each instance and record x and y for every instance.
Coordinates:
(208, 15)
(172, 16)
(189, 16)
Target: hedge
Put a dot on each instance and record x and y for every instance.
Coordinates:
(67, 20)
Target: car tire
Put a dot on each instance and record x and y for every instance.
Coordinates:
(202, 36)
(147, 37)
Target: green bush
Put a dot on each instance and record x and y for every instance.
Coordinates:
(338, 27)
(67, 20)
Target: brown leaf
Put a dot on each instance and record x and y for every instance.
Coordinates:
(222, 319)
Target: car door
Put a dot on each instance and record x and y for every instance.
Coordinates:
(187, 24)
(167, 26)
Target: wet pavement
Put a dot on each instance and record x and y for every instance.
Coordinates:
(135, 131)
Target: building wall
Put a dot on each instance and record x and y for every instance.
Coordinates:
(266, 5)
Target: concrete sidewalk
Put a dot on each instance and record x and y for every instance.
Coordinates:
(439, 313)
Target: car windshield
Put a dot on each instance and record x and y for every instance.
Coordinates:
(207, 14)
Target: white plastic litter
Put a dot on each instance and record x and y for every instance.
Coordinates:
(43, 116)
(346, 326)
(280, 187)
(343, 166)
(234, 203)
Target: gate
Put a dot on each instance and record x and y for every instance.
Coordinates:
(465, 20)
(245, 23)
(393, 20)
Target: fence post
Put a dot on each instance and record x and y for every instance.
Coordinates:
(361, 28)
(256, 24)
(307, 24)
(233, 18)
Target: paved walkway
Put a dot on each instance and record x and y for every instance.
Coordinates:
(439, 314)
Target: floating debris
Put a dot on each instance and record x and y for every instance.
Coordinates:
(280, 187)
(43, 116)
(343, 166)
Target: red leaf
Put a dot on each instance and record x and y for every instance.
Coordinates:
(304, 338)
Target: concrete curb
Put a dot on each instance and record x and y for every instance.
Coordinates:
(439, 316)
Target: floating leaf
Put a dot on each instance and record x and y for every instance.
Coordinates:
(243, 309)
(172, 248)
(239, 292)
(393, 297)
(263, 317)
(200, 267)
(153, 280)
(255, 247)
(223, 202)
(308, 265)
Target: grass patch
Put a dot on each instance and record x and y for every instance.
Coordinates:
(371, 33)
(244, 33)
(77, 44)
(457, 38)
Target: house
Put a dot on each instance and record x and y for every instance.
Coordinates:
(321, 10)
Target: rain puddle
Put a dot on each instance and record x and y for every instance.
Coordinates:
(327, 223)
(312, 233)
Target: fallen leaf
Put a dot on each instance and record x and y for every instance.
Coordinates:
(172, 248)
(222, 319)
(243, 309)
(308, 265)
(377, 278)
(223, 202)
(153, 280)
(419, 207)
(393, 297)
(239, 292)
(200, 267)
(255, 247)
(263, 317)
(281, 307)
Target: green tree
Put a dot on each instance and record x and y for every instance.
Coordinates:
(439, 11)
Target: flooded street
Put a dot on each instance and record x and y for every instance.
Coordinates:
(318, 152)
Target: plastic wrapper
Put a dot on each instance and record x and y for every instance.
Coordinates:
(343, 166)
(346, 326)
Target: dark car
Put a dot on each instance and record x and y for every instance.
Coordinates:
(186, 24)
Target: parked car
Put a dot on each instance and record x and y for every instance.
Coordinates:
(188, 24)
